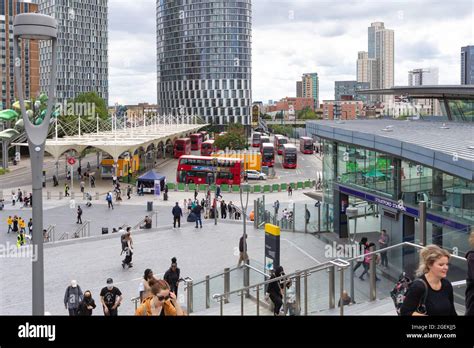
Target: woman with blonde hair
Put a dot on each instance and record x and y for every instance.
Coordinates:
(162, 302)
(470, 277)
(431, 294)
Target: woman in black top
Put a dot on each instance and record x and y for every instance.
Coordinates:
(432, 287)
(274, 290)
(86, 305)
(172, 276)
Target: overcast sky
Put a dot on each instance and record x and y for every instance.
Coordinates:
(299, 36)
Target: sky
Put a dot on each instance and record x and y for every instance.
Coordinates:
(292, 37)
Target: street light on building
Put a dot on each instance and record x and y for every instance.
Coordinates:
(34, 26)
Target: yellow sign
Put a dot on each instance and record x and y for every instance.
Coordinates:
(272, 229)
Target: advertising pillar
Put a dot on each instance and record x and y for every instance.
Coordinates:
(272, 246)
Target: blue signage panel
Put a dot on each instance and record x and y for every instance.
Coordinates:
(402, 208)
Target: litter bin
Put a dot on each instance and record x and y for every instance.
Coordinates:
(149, 206)
(105, 230)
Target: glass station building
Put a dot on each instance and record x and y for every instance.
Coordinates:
(393, 165)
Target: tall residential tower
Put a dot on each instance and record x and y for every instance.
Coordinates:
(82, 47)
(204, 59)
(467, 65)
(311, 87)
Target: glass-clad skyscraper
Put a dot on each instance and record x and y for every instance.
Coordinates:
(204, 59)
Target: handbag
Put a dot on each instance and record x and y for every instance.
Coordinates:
(191, 217)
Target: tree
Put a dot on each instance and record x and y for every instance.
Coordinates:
(94, 98)
(235, 138)
(307, 114)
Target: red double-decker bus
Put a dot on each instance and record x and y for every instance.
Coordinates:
(207, 148)
(289, 156)
(201, 170)
(196, 141)
(264, 139)
(279, 141)
(182, 147)
(306, 145)
(268, 154)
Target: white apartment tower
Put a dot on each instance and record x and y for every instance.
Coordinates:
(82, 47)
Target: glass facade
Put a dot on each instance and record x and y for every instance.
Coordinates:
(204, 59)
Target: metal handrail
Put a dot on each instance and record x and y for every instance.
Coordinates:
(337, 262)
(80, 231)
(216, 276)
(64, 236)
(340, 263)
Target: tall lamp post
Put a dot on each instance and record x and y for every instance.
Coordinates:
(214, 162)
(244, 234)
(34, 26)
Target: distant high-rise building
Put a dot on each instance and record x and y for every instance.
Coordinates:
(204, 61)
(82, 61)
(348, 90)
(366, 69)
(29, 54)
(467, 65)
(381, 47)
(310, 84)
(299, 89)
(425, 77)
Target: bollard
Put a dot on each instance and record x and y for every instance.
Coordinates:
(73, 194)
(60, 195)
(189, 288)
(48, 195)
(97, 196)
(226, 284)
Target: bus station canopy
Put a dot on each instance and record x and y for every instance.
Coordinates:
(117, 142)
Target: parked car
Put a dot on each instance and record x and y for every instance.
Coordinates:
(255, 174)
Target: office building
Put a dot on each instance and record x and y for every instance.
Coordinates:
(82, 62)
(299, 89)
(467, 65)
(348, 90)
(29, 55)
(425, 77)
(204, 59)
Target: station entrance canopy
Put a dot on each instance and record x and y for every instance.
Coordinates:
(125, 139)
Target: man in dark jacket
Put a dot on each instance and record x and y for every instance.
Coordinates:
(197, 211)
(243, 251)
(223, 210)
(72, 298)
(470, 279)
(177, 213)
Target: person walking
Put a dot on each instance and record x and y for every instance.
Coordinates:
(130, 174)
(79, 215)
(165, 195)
(218, 192)
(92, 177)
(195, 194)
(470, 278)
(223, 210)
(14, 198)
(87, 305)
(129, 191)
(243, 250)
(290, 191)
(362, 246)
(172, 276)
(144, 289)
(274, 290)
(109, 200)
(431, 294)
(15, 224)
(197, 211)
(88, 166)
(20, 196)
(307, 216)
(111, 298)
(128, 250)
(383, 243)
(177, 214)
(66, 190)
(276, 207)
(162, 302)
(83, 184)
(30, 226)
(79, 172)
(20, 239)
(9, 223)
(292, 307)
(366, 263)
(22, 224)
(72, 298)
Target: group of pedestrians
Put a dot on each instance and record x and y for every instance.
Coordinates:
(18, 225)
(23, 198)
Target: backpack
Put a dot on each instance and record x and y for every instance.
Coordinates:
(400, 289)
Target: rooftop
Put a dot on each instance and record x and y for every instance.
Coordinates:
(447, 146)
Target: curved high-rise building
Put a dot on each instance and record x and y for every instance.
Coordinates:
(204, 59)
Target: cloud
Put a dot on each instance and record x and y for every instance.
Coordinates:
(290, 38)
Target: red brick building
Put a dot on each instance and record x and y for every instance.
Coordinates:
(343, 109)
(297, 103)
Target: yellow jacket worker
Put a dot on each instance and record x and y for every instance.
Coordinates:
(10, 223)
(22, 225)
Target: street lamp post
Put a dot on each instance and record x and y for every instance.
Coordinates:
(215, 189)
(244, 235)
(34, 26)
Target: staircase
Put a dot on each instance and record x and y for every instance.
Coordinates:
(378, 307)
(234, 308)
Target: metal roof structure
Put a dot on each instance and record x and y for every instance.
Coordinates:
(427, 92)
(127, 139)
(447, 146)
